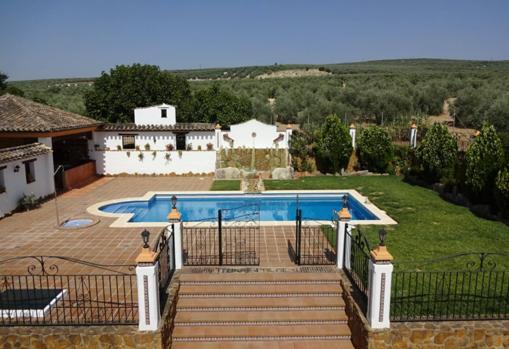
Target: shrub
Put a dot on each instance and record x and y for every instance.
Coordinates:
(437, 153)
(199, 147)
(119, 147)
(502, 191)
(140, 156)
(29, 202)
(301, 150)
(375, 149)
(169, 147)
(210, 146)
(484, 159)
(334, 144)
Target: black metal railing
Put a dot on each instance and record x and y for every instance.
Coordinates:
(356, 262)
(59, 290)
(233, 239)
(165, 246)
(475, 292)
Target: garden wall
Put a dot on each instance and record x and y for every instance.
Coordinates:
(264, 159)
(417, 335)
(114, 162)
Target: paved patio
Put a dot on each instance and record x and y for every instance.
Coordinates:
(35, 233)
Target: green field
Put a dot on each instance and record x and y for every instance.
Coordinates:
(428, 227)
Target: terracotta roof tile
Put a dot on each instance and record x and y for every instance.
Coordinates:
(180, 126)
(22, 152)
(18, 114)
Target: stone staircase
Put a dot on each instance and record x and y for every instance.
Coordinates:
(261, 310)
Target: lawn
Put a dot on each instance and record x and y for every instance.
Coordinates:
(428, 226)
(226, 185)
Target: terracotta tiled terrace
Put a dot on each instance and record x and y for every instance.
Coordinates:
(35, 232)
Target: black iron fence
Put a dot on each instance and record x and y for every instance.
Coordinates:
(85, 294)
(356, 262)
(478, 291)
(165, 246)
(232, 239)
(314, 244)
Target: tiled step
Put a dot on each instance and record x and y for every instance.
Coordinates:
(267, 290)
(259, 303)
(301, 344)
(188, 278)
(260, 317)
(269, 332)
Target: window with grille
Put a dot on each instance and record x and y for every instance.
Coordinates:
(128, 142)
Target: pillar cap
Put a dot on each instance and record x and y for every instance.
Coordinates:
(413, 125)
(146, 256)
(344, 214)
(352, 125)
(477, 133)
(174, 215)
(381, 254)
(218, 126)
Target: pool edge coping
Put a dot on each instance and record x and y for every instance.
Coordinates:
(122, 219)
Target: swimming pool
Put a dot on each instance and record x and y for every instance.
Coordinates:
(276, 207)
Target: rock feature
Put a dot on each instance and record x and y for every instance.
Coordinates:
(227, 173)
(282, 173)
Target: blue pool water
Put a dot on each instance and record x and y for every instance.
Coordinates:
(265, 207)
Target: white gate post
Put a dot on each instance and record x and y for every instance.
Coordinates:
(175, 218)
(217, 133)
(353, 132)
(147, 281)
(413, 135)
(379, 286)
(341, 226)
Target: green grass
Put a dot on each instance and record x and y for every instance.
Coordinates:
(226, 185)
(428, 227)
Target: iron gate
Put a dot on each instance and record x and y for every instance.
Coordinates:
(356, 262)
(314, 244)
(232, 239)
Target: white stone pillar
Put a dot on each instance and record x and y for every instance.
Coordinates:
(348, 247)
(379, 288)
(289, 132)
(353, 133)
(218, 144)
(175, 218)
(51, 166)
(147, 280)
(413, 136)
(341, 227)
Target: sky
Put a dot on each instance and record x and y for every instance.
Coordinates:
(80, 38)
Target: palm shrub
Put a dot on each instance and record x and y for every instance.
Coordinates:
(437, 153)
(484, 159)
(334, 145)
(375, 149)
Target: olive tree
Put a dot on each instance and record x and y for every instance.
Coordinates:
(484, 158)
(375, 149)
(334, 144)
(437, 152)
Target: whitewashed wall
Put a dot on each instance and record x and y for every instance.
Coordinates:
(156, 140)
(152, 115)
(117, 162)
(242, 135)
(201, 139)
(16, 185)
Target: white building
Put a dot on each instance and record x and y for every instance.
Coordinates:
(24, 170)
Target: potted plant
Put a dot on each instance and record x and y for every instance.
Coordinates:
(119, 147)
(147, 146)
(199, 147)
(140, 156)
(167, 156)
(137, 148)
(210, 146)
(154, 153)
(180, 153)
(189, 146)
(128, 154)
(169, 147)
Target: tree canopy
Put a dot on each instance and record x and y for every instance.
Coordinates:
(437, 152)
(334, 144)
(484, 158)
(116, 94)
(214, 104)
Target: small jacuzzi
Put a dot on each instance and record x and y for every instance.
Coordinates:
(77, 223)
